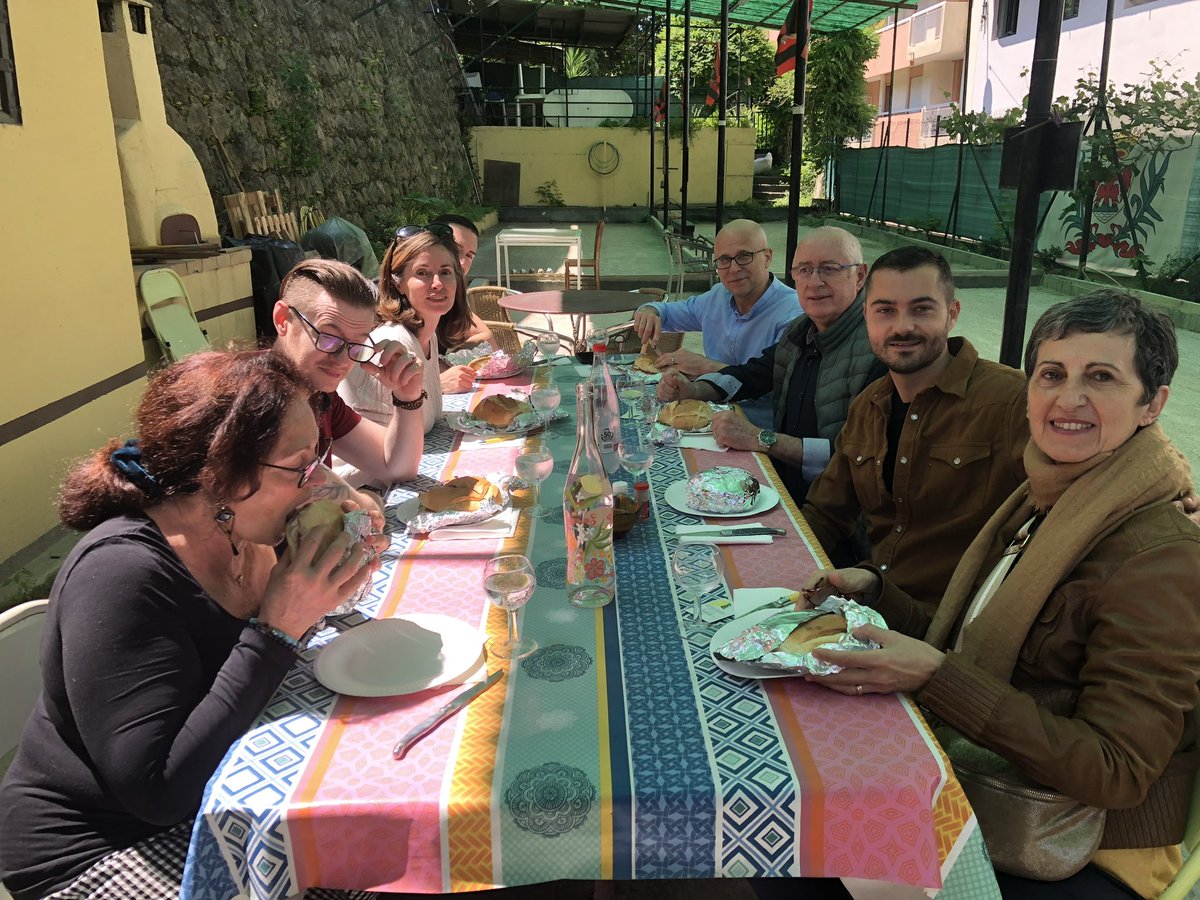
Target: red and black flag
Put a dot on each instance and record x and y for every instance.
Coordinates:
(714, 84)
(793, 36)
(660, 105)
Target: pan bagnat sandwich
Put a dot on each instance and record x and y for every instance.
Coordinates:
(500, 411)
(466, 493)
(645, 362)
(476, 364)
(324, 517)
(811, 634)
(686, 415)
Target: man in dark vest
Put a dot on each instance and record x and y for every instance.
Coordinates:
(820, 364)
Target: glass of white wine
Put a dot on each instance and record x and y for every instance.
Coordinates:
(548, 345)
(630, 390)
(698, 569)
(534, 467)
(636, 456)
(545, 399)
(509, 582)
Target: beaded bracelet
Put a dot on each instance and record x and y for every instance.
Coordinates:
(275, 634)
(409, 404)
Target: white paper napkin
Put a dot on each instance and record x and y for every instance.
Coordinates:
(499, 526)
(700, 442)
(747, 599)
(688, 535)
(482, 442)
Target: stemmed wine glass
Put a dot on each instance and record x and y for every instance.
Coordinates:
(545, 399)
(534, 467)
(548, 345)
(509, 582)
(698, 569)
(636, 457)
(629, 389)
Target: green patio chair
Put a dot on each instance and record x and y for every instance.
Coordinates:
(169, 314)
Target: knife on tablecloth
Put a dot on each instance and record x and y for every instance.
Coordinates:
(405, 743)
(733, 532)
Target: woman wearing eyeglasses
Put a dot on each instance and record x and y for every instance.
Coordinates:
(423, 306)
(170, 625)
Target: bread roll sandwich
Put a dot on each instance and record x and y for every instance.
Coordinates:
(476, 364)
(466, 493)
(500, 411)
(322, 517)
(811, 634)
(645, 362)
(686, 415)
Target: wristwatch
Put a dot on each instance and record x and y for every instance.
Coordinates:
(766, 440)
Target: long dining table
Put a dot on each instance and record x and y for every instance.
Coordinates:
(618, 750)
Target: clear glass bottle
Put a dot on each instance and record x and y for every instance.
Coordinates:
(606, 408)
(588, 515)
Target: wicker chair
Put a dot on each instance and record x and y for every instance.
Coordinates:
(484, 301)
(668, 342)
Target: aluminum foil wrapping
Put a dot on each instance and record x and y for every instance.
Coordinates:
(426, 520)
(357, 524)
(756, 645)
(721, 489)
(499, 364)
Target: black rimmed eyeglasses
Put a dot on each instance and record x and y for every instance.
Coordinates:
(437, 229)
(742, 258)
(823, 272)
(305, 472)
(333, 345)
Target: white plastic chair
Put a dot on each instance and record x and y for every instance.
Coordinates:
(20, 671)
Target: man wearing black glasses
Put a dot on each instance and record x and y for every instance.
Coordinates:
(818, 366)
(324, 318)
(739, 318)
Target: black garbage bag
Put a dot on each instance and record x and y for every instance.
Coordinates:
(271, 259)
(338, 239)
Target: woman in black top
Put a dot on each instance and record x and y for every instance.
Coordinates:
(171, 623)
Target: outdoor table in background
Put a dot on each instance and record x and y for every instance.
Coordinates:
(617, 751)
(535, 237)
(577, 304)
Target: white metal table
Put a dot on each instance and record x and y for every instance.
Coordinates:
(535, 237)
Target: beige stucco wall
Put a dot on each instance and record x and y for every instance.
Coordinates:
(70, 309)
(560, 155)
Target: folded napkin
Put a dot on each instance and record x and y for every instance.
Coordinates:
(688, 534)
(747, 599)
(501, 525)
(700, 442)
(482, 442)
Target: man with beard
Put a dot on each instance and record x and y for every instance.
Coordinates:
(820, 364)
(930, 450)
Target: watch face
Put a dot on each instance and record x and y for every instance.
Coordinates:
(766, 438)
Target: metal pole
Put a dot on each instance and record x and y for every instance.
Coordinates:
(1101, 104)
(687, 115)
(722, 111)
(793, 232)
(1037, 123)
(891, 106)
(666, 182)
(651, 97)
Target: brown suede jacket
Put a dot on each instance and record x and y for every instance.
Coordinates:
(1100, 704)
(959, 458)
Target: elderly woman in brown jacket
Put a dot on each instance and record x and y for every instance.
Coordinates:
(1068, 640)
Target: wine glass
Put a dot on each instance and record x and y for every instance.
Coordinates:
(548, 345)
(545, 400)
(534, 467)
(636, 457)
(629, 390)
(698, 569)
(509, 582)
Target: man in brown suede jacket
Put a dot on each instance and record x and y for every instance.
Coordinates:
(929, 451)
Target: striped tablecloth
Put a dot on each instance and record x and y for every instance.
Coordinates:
(617, 751)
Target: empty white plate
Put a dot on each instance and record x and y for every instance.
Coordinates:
(387, 657)
(676, 496)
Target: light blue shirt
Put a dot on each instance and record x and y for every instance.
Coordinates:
(733, 338)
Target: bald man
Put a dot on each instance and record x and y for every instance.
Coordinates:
(739, 318)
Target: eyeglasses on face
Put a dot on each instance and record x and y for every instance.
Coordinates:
(823, 272)
(332, 344)
(305, 472)
(437, 229)
(742, 258)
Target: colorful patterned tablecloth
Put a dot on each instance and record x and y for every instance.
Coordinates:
(618, 750)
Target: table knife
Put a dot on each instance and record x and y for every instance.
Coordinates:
(732, 532)
(462, 699)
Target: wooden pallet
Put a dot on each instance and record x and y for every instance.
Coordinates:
(257, 212)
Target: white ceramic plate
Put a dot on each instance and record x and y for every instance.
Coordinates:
(468, 424)
(731, 630)
(676, 496)
(388, 657)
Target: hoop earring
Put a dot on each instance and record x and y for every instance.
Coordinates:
(224, 519)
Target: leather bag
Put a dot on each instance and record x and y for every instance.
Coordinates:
(1030, 830)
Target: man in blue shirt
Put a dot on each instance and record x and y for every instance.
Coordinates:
(739, 318)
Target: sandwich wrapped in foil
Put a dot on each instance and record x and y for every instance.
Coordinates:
(500, 363)
(756, 646)
(427, 520)
(721, 489)
(357, 524)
